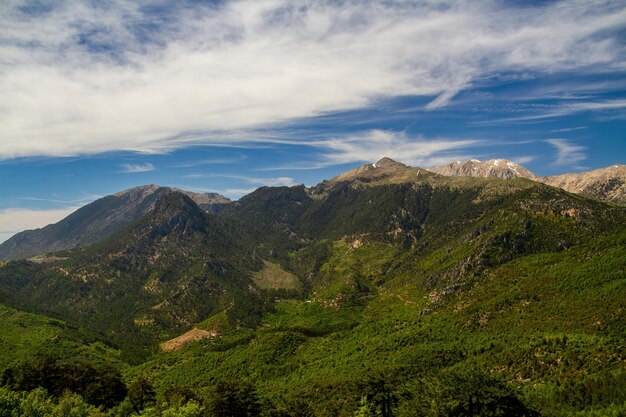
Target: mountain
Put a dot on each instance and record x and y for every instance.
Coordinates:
(383, 167)
(175, 266)
(498, 168)
(604, 183)
(97, 221)
(387, 290)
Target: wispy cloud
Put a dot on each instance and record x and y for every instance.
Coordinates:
(567, 153)
(568, 129)
(85, 77)
(544, 112)
(371, 145)
(211, 161)
(272, 182)
(523, 159)
(236, 193)
(136, 168)
(14, 220)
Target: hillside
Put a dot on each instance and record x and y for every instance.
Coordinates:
(605, 183)
(175, 266)
(97, 221)
(387, 289)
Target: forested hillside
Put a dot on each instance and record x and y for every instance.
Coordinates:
(386, 291)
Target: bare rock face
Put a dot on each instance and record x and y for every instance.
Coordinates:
(604, 183)
(498, 168)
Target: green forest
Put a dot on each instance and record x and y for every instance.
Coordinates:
(429, 297)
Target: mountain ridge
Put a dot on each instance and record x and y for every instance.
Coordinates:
(405, 277)
(102, 218)
(607, 183)
(498, 168)
(98, 220)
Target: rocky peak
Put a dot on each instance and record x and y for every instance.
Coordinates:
(174, 212)
(370, 172)
(388, 163)
(607, 183)
(498, 168)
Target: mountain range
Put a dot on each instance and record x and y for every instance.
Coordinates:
(98, 220)
(387, 287)
(102, 218)
(605, 183)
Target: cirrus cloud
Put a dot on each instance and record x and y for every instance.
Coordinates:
(83, 78)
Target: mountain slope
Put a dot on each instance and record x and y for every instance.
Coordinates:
(411, 279)
(605, 183)
(175, 266)
(498, 168)
(97, 221)
(549, 323)
(408, 287)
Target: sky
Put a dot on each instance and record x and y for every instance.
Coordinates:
(228, 96)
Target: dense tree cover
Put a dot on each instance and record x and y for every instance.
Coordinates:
(482, 298)
(459, 396)
(99, 386)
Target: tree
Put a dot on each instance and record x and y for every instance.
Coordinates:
(234, 399)
(140, 393)
(475, 393)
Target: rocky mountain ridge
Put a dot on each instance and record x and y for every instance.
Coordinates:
(104, 217)
(497, 168)
(98, 220)
(605, 183)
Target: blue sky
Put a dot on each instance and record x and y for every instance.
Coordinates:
(227, 96)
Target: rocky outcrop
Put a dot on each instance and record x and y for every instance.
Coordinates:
(604, 183)
(498, 168)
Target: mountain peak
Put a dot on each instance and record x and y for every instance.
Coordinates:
(498, 168)
(606, 183)
(107, 216)
(139, 190)
(369, 172)
(388, 162)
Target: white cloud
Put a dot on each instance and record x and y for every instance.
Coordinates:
(372, 145)
(135, 168)
(523, 159)
(15, 220)
(568, 129)
(236, 193)
(213, 161)
(271, 182)
(250, 64)
(567, 153)
(560, 110)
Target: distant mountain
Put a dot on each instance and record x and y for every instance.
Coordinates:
(175, 266)
(605, 183)
(97, 221)
(498, 168)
